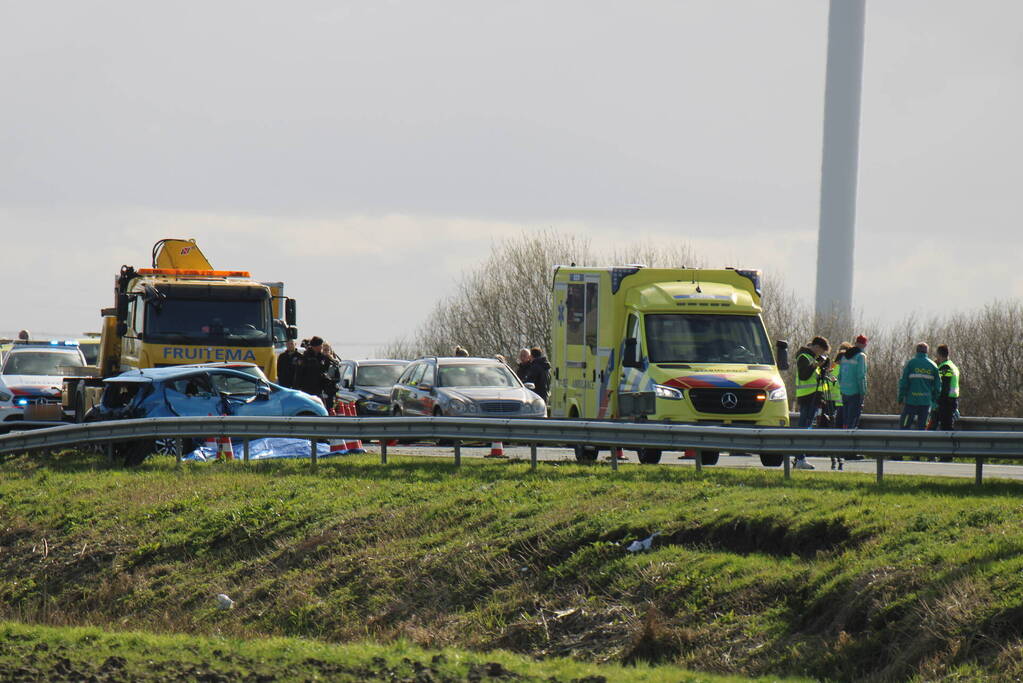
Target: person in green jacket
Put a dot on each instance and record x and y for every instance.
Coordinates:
(919, 389)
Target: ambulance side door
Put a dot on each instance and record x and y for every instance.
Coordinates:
(581, 322)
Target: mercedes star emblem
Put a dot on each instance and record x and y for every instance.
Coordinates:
(729, 400)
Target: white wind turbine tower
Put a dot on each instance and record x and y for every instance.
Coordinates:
(840, 157)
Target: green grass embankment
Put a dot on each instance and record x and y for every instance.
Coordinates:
(826, 576)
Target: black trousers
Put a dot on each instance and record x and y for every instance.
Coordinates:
(948, 413)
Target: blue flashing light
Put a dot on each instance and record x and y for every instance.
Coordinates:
(54, 342)
(21, 401)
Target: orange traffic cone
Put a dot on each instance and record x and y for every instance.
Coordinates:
(212, 445)
(619, 453)
(225, 449)
(353, 445)
(496, 450)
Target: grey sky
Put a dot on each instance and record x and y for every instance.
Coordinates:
(366, 152)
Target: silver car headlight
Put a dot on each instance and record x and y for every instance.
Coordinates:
(460, 407)
(5, 397)
(778, 394)
(670, 393)
(537, 406)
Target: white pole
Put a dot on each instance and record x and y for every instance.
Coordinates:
(836, 237)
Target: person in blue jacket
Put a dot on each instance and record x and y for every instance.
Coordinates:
(919, 389)
(852, 382)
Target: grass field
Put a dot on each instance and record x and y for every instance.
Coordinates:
(749, 575)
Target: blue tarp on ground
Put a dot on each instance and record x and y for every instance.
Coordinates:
(267, 449)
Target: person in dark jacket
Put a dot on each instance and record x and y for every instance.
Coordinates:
(522, 369)
(539, 372)
(312, 375)
(287, 363)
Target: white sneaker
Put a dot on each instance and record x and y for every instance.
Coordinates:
(803, 465)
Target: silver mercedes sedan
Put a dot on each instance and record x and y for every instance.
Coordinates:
(460, 387)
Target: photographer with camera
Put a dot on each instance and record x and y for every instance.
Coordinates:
(811, 367)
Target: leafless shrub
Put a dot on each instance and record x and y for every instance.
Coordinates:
(504, 303)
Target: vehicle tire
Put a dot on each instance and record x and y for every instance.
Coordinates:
(437, 412)
(586, 453)
(709, 457)
(771, 460)
(648, 456)
(166, 446)
(133, 453)
(79, 405)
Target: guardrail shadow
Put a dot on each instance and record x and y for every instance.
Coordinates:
(437, 469)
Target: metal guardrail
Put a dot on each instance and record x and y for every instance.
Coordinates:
(965, 424)
(762, 440)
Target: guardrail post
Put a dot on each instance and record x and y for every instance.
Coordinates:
(312, 452)
(532, 456)
(787, 465)
(383, 451)
(979, 478)
(880, 468)
(178, 448)
(109, 448)
(614, 458)
(458, 452)
(699, 460)
(245, 449)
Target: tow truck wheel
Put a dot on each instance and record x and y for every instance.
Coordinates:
(79, 405)
(771, 460)
(709, 457)
(648, 456)
(586, 453)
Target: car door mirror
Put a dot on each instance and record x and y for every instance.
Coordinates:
(426, 388)
(782, 347)
(630, 357)
(290, 314)
(529, 385)
(262, 391)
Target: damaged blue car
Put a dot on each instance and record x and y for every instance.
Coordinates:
(193, 391)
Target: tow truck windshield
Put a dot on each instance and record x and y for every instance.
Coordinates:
(238, 322)
(697, 338)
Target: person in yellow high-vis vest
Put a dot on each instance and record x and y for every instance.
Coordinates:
(811, 362)
(948, 399)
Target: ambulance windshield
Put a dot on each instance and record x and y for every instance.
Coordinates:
(702, 338)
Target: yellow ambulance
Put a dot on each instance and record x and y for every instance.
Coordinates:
(664, 344)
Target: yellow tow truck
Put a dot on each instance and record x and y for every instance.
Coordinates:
(182, 311)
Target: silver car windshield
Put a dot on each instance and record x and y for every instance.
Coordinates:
(472, 375)
(378, 375)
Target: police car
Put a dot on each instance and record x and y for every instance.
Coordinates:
(32, 374)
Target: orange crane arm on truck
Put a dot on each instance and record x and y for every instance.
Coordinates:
(182, 254)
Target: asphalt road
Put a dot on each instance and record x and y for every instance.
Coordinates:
(673, 459)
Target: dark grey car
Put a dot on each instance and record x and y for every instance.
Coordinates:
(459, 387)
(367, 384)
